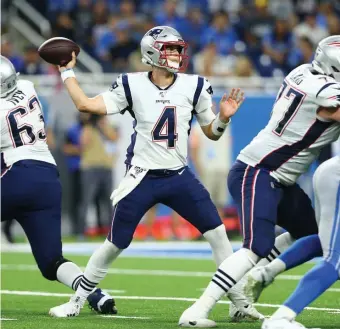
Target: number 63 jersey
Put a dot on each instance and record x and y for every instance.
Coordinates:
(162, 117)
(295, 134)
(22, 127)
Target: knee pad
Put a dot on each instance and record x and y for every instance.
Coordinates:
(50, 271)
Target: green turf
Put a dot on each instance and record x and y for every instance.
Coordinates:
(32, 311)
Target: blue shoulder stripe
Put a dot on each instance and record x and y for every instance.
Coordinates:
(324, 87)
(125, 81)
(198, 91)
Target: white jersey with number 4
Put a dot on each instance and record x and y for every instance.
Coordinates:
(162, 117)
(22, 126)
(295, 134)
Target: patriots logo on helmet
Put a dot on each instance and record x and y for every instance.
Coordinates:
(155, 33)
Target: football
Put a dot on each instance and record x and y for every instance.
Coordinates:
(58, 51)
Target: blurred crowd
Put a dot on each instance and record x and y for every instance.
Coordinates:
(236, 37)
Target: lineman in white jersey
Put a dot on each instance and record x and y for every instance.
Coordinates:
(263, 179)
(30, 186)
(162, 103)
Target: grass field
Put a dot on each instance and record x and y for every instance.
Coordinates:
(150, 293)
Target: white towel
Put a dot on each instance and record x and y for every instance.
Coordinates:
(132, 178)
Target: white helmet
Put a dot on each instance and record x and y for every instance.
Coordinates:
(327, 57)
(8, 77)
(153, 48)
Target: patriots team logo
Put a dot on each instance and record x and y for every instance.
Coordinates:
(155, 33)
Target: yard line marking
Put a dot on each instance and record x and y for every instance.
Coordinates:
(114, 291)
(126, 317)
(4, 319)
(23, 267)
(180, 299)
(328, 290)
(30, 267)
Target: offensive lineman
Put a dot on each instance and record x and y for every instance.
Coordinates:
(30, 186)
(162, 103)
(263, 180)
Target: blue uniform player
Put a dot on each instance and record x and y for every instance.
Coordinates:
(326, 184)
(30, 186)
(263, 180)
(162, 103)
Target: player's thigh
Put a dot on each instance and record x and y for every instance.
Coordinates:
(327, 189)
(129, 211)
(41, 222)
(257, 196)
(296, 213)
(189, 198)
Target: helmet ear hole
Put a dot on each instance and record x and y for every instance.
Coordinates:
(149, 52)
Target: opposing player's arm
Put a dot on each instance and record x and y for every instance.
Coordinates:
(110, 102)
(213, 125)
(330, 113)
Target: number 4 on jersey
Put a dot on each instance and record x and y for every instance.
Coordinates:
(165, 128)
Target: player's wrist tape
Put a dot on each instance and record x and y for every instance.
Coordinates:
(68, 73)
(218, 127)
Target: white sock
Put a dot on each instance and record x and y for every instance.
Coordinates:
(97, 267)
(282, 243)
(219, 243)
(69, 274)
(284, 312)
(276, 267)
(228, 274)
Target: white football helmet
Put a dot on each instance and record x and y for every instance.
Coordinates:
(8, 77)
(154, 45)
(327, 57)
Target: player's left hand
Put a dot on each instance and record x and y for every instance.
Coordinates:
(229, 105)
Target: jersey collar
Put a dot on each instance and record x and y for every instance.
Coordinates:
(168, 87)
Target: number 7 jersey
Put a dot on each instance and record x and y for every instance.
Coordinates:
(22, 127)
(295, 134)
(162, 117)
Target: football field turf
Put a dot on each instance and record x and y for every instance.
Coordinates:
(150, 293)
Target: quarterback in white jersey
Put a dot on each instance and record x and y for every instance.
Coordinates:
(262, 182)
(30, 186)
(162, 103)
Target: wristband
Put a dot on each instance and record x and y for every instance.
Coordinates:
(218, 127)
(68, 73)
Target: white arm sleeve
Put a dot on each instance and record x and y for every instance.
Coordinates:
(203, 106)
(115, 99)
(329, 95)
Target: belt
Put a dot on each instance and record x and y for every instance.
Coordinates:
(164, 172)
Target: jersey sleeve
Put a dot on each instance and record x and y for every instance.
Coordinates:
(115, 98)
(328, 95)
(203, 102)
